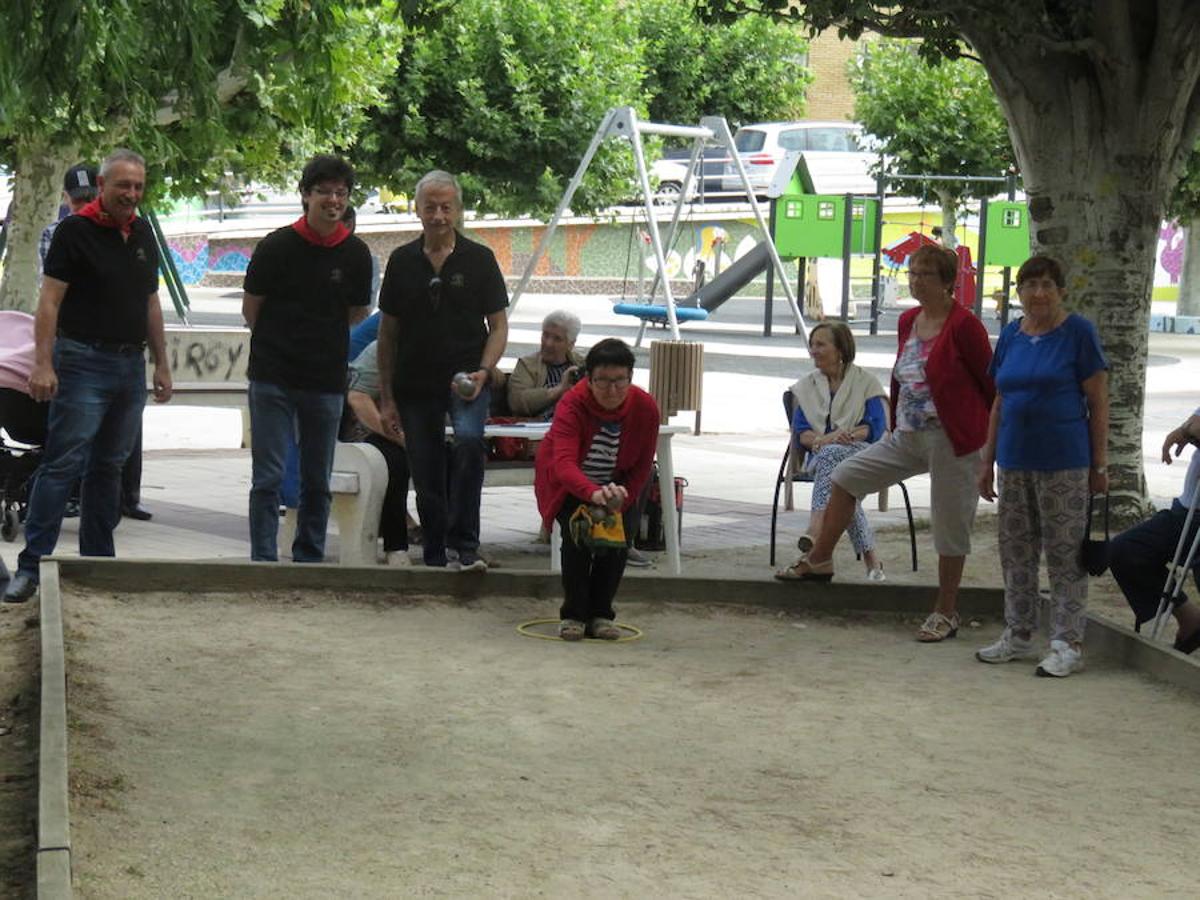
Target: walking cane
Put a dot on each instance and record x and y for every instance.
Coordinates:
(1178, 574)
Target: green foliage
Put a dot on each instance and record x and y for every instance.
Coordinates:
(197, 86)
(749, 70)
(1184, 202)
(938, 118)
(507, 94)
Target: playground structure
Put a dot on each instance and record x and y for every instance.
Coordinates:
(623, 122)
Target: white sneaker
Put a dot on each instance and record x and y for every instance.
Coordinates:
(399, 558)
(1010, 646)
(876, 573)
(1062, 660)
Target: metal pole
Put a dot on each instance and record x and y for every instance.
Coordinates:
(597, 139)
(770, 299)
(847, 234)
(981, 267)
(877, 263)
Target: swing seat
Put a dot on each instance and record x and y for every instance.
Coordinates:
(658, 313)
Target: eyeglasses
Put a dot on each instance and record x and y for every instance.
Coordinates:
(337, 193)
(603, 382)
(435, 290)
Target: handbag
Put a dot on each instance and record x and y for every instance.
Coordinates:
(597, 528)
(1093, 555)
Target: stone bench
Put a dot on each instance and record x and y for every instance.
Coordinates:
(358, 484)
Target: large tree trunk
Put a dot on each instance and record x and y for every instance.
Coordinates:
(38, 186)
(1189, 280)
(949, 204)
(1101, 128)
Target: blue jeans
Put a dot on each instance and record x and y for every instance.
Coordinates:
(449, 512)
(94, 420)
(277, 413)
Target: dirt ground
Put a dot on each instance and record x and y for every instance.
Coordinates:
(18, 748)
(314, 745)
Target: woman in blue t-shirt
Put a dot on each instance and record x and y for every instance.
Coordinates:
(1049, 436)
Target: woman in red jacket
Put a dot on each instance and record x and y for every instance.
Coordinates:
(941, 397)
(597, 453)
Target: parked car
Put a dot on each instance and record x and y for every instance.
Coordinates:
(672, 168)
(762, 147)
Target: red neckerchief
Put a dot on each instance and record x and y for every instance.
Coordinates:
(97, 214)
(306, 231)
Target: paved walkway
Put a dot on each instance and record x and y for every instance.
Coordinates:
(196, 481)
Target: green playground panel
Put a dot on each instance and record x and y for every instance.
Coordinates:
(812, 225)
(1007, 233)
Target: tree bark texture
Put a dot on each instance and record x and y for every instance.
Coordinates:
(37, 188)
(1101, 129)
(949, 204)
(1189, 279)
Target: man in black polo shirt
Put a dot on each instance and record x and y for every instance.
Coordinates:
(443, 304)
(306, 284)
(97, 309)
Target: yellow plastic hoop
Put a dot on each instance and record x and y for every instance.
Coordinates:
(525, 629)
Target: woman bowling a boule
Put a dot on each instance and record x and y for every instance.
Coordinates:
(590, 470)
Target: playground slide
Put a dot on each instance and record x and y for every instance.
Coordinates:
(732, 280)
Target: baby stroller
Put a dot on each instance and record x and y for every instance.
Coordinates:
(22, 434)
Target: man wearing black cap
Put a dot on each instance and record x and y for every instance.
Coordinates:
(97, 310)
(79, 189)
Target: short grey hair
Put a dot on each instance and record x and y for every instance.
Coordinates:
(438, 178)
(121, 155)
(567, 321)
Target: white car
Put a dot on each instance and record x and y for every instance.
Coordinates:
(762, 147)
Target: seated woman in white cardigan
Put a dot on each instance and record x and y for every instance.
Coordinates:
(840, 409)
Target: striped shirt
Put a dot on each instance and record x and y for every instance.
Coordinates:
(554, 374)
(601, 459)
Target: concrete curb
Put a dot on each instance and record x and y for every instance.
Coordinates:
(226, 576)
(54, 814)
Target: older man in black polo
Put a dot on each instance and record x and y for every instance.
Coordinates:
(97, 309)
(443, 303)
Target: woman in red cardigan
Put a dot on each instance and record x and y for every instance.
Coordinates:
(941, 398)
(598, 452)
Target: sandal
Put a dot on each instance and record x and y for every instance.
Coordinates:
(603, 630)
(805, 570)
(938, 627)
(570, 630)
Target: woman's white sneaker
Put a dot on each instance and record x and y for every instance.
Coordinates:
(1011, 646)
(1061, 661)
(399, 558)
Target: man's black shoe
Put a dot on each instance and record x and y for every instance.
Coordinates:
(137, 512)
(20, 589)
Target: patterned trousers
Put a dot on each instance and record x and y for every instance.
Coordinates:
(821, 465)
(1044, 512)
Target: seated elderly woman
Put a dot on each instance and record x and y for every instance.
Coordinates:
(839, 411)
(540, 379)
(596, 457)
(362, 396)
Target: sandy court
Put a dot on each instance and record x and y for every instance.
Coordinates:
(320, 745)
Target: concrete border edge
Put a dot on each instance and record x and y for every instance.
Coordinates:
(54, 813)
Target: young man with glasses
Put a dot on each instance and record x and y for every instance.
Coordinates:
(443, 308)
(306, 284)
